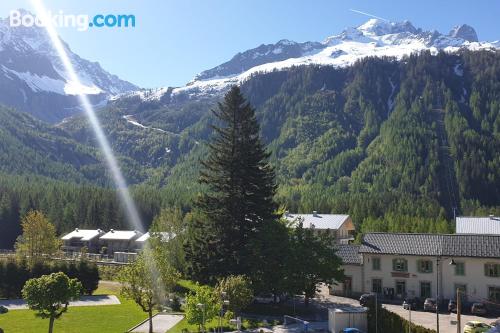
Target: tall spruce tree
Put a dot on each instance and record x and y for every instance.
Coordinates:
(238, 203)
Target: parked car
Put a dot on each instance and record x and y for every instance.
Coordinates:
(266, 299)
(476, 327)
(411, 303)
(3, 309)
(366, 299)
(478, 309)
(430, 304)
(351, 330)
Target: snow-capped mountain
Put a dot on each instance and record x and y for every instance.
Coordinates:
(33, 79)
(374, 38)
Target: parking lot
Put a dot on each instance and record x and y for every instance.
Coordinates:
(447, 322)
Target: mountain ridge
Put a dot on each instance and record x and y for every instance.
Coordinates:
(33, 79)
(375, 37)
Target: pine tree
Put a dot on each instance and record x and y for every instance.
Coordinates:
(238, 202)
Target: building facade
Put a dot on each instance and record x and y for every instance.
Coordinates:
(120, 241)
(418, 265)
(78, 239)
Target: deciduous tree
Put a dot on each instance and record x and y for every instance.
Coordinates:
(49, 295)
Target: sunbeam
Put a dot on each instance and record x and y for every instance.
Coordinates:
(112, 163)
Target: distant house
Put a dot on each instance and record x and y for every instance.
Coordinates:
(120, 240)
(339, 226)
(79, 238)
(141, 241)
(478, 225)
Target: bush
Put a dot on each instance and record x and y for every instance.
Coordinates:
(389, 322)
(14, 274)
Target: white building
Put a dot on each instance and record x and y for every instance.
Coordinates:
(141, 241)
(120, 240)
(478, 225)
(414, 265)
(79, 238)
(339, 226)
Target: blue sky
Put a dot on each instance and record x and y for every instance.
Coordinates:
(175, 39)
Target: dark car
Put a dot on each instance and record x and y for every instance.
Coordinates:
(452, 306)
(430, 304)
(411, 303)
(367, 300)
(478, 309)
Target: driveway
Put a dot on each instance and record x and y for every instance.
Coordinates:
(162, 322)
(98, 300)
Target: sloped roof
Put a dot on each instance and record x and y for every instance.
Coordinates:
(318, 221)
(478, 225)
(83, 234)
(449, 245)
(349, 253)
(121, 235)
(165, 236)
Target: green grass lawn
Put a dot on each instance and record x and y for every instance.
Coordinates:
(86, 319)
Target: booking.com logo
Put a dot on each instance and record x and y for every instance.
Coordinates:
(81, 22)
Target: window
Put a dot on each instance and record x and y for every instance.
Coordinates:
(401, 288)
(377, 286)
(460, 268)
(399, 265)
(425, 289)
(376, 264)
(494, 294)
(424, 266)
(492, 270)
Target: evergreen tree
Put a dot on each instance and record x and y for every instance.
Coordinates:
(238, 201)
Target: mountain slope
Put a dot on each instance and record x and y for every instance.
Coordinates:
(32, 78)
(416, 137)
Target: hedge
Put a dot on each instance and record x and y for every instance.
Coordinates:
(14, 274)
(389, 322)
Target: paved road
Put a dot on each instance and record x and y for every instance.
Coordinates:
(19, 304)
(162, 322)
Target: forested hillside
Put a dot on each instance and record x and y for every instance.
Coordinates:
(399, 145)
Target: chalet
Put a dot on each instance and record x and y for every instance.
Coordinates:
(120, 240)
(80, 238)
(339, 226)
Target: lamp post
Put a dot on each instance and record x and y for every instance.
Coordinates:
(202, 307)
(437, 294)
(459, 303)
(224, 302)
(452, 263)
(409, 317)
